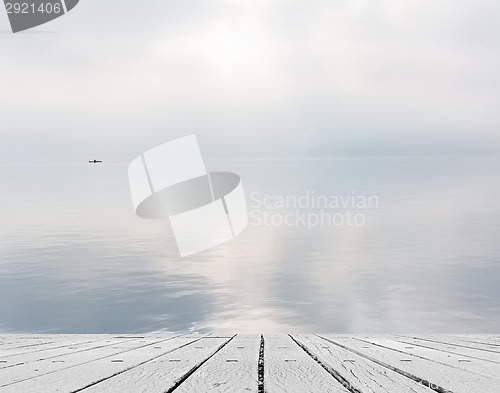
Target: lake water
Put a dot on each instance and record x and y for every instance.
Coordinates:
(425, 258)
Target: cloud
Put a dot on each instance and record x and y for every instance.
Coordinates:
(274, 76)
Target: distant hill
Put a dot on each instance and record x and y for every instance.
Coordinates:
(412, 144)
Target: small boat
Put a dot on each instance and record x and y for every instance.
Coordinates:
(94, 161)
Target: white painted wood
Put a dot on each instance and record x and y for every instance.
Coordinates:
(56, 353)
(459, 349)
(465, 340)
(447, 377)
(47, 370)
(233, 369)
(368, 364)
(288, 369)
(162, 373)
(488, 338)
(358, 372)
(24, 346)
(460, 362)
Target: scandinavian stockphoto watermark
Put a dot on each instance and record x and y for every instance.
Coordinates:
(206, 209)
(25, 14)
(311, 209)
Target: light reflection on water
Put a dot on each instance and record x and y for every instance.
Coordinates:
(74, 257)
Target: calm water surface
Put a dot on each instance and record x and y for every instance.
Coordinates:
(75, 258)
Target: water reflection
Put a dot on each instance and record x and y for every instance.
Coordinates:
(74, 258)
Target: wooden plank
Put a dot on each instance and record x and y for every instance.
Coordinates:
(357, 372)
(478, 366)
(438, 376)
(194, 363)
(159, 374)
(233, 369)
(70, 343)
(469, 339)
(10, 353)
(486, 355)
(23, 377)
(23, 344)
(18, 371)
(489, 338)
(288, 369)
(447, 339)
(50, 342)
(55, 354)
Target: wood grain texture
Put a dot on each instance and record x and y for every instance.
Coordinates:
(460, 362)
(36, 344)
(288, 369)
(55, 352)
(356, 371)
(162, 373)
(469, 363)
(78, 370)
(457, 348)
(438, 376)
(462, 342)
(299, 363)
(233, 369)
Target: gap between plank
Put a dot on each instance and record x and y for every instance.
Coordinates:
(64, 354)
(137, 365)
(90, 361)
(421, 381)
(344, 382)
(65, 346)
(454, 344)
(260, 368)
(446, 351)
(422, 357)
(193, 370)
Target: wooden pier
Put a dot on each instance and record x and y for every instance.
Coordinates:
(301, 363)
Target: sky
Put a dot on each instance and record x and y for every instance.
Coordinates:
(257, 78)
(261, 78)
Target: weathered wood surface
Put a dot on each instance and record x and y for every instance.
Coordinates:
(438, 376)
(451, 345)
(297, 363)
(233, 369)
(357, 372)
(287, 368)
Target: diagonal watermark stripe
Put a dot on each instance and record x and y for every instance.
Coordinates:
(171, 181)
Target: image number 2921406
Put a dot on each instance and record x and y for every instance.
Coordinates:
(26, 14)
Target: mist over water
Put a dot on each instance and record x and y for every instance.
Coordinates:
(74, 257)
